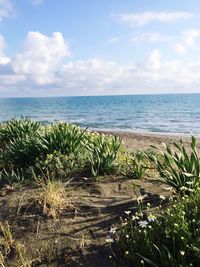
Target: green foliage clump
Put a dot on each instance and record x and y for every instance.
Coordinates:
(103, 152)
(17, 129)
(20, 142)
(22, 152)
(65, 138)
(133, 164)
(179, 168)
(59, 166)
(169, 238)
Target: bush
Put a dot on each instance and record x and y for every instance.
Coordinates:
(133, 164)
(65, 138)
(22, 152)
(170, 238)
(60, 166)
(179, 168)
(26, 141)
(17, 129)
(103, 153)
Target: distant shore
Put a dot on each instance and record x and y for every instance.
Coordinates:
(143, 141)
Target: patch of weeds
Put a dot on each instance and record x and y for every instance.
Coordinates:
(164, 238)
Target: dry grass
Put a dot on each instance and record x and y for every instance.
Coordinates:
(2, 260)
(7, 241)
(53, 198)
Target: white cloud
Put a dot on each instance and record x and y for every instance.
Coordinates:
(188, 41)
(141, 19)
(153, 60)
(152, 75)
(41, 56)
(6, 9)
(91, 75)
(150, 37)
(3, 59)
(39, 70)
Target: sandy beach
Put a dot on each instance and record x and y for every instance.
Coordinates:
(144, 141)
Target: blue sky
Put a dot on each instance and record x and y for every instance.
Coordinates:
(92, 47)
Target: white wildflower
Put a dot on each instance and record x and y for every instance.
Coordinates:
(135, 218)
(127, 212)
(182, 253)
(151, 218)
(113, 230)
(143, 224)
(162, 197)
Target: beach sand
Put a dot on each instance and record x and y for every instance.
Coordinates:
(144, 141)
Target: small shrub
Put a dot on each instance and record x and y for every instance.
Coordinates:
(65, 138)
(22, 152)
(61, 166)
(139, 165)
(179, 168)
(17, 129)
(103, 153)
(133, 164)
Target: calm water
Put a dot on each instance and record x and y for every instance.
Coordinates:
(149, 113)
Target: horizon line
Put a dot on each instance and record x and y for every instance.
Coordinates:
(59, 96)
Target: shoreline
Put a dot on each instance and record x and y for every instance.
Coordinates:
(135, 132)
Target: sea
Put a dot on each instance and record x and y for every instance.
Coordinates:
(165, 114)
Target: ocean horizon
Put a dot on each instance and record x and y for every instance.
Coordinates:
(152, 113)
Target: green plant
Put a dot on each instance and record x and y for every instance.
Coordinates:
(20, 142)
(103, 153)
(166, 238)
(132, 164)
(139, 164)
(59, 165)
(65, 138)
(23, 151)
(17, 129)
(179, 168)
(12, 176)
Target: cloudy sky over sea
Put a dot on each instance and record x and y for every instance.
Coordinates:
(93, 47)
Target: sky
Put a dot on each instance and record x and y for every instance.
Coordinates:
(99, 47)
